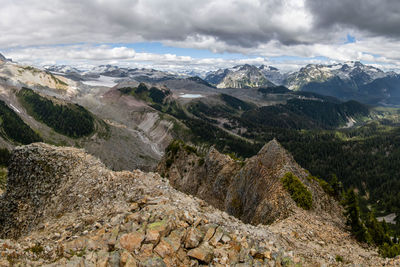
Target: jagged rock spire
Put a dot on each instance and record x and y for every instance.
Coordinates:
(250, 190)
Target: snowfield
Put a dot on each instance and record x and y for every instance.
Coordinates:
(102, 81)
(190, 95)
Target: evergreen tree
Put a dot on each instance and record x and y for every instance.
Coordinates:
(352, 213)
(336, 185)
(377, 230)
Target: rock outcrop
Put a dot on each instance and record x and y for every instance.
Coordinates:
(62, 207)
(250, 190)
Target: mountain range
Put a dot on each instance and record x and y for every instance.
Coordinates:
(351, 80)
(345, 81)
(239, 77)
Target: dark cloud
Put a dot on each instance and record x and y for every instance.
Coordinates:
(244, 23)
(377, 17)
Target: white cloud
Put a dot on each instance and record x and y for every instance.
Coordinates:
(86, 56)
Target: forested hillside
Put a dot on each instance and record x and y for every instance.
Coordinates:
(68, 119)
(13, 128)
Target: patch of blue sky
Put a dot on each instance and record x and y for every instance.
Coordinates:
(159, 48)
(350, 39)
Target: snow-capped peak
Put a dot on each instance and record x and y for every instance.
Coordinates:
(61, 69)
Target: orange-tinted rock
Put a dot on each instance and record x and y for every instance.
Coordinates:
(131, 241)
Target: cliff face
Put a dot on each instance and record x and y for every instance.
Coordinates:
(62, 207)
(251, 190)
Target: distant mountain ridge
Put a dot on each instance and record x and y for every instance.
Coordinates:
(347, 81)
(122, 73)
(240, 76)
(62, 69)
(354, 70)
(352, 80)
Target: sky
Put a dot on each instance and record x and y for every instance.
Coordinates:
(201, 35)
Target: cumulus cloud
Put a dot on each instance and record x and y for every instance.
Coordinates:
(256, 28)
(88, 56)
(102, 54)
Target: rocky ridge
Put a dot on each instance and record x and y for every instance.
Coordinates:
(62, 207)
(356, 71)
(250, 190)
(242, 76)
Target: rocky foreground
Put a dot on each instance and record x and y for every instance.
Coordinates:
(62, 207)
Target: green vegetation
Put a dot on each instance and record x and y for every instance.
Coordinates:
(353, 220)
(297, 190)
(367, 228)
(57, 81)
(367, 163)
(236, 103)
(5, 156)
(177, 145)
(78, 253)
(174, 147)
(339, 258)
(274, 90)
(334, 188)
(306, 114)
(153, 95)
(197, 79)
(36, 249)
(68, 119)
(31, 69)
(201, 161)
(389, 251)
(207, 133)
(203, 131)
(14, 128)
